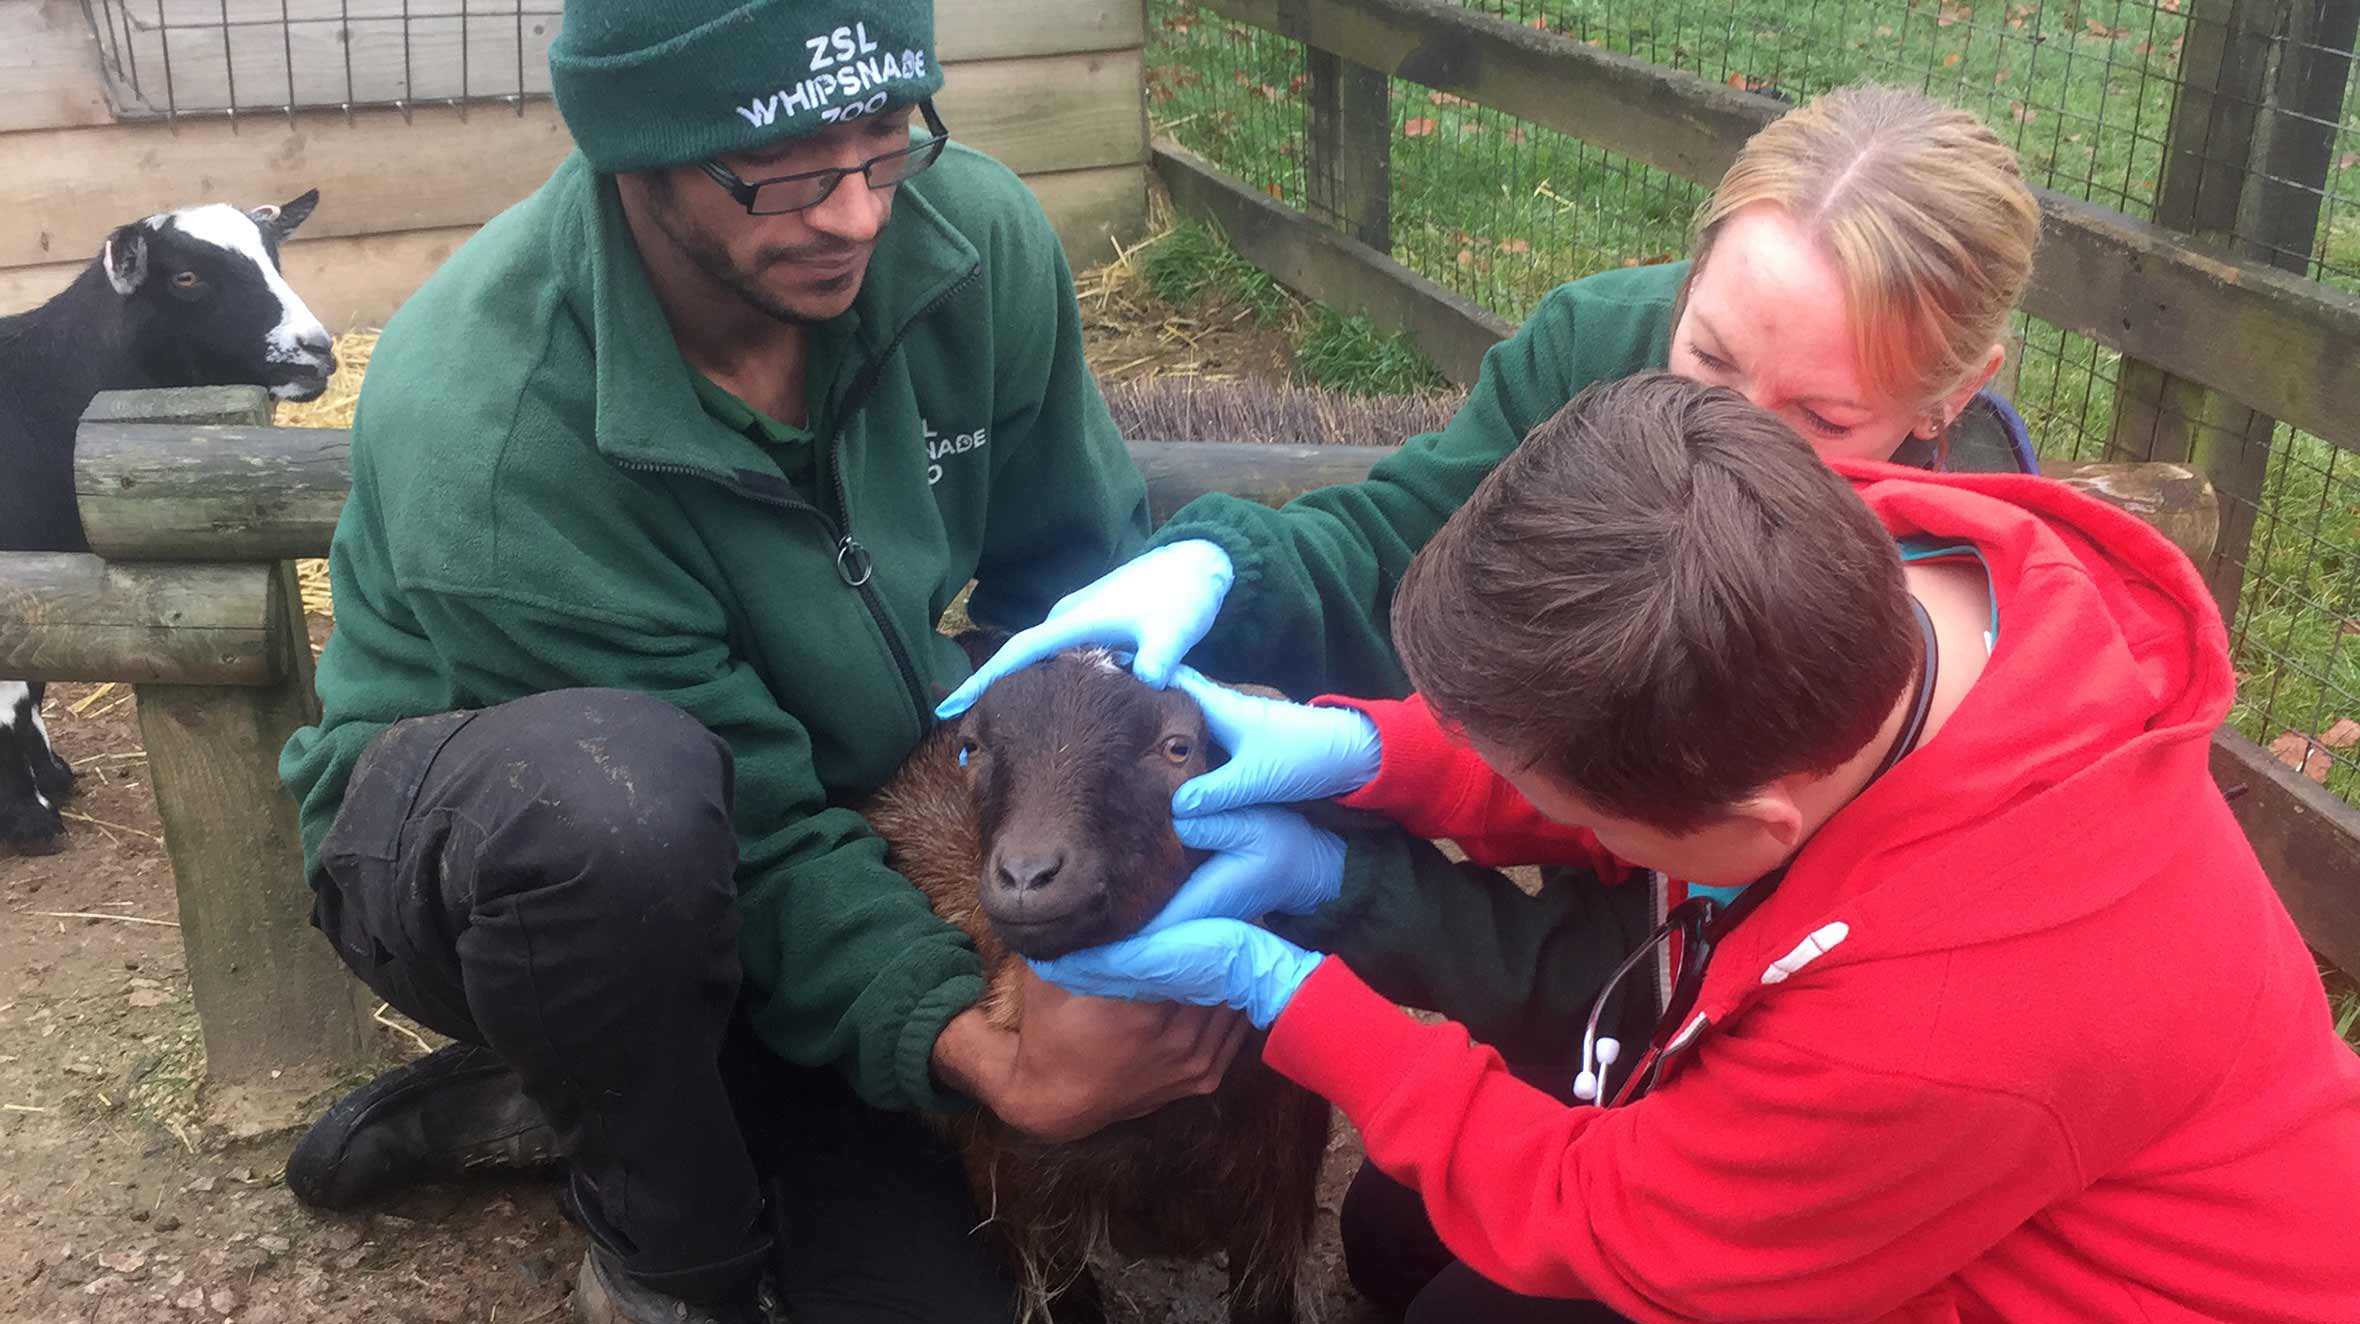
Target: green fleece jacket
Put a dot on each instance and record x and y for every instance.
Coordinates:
(1310, 611)
(545, 495)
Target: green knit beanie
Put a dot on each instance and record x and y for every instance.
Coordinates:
(648, 83)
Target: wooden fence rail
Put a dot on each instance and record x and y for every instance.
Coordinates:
(2269, 339)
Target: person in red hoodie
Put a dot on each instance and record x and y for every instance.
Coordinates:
(2000, 1019)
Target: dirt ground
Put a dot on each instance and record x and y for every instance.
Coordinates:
(123, 1196)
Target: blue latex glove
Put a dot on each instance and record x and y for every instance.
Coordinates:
(1264, 861)
(1156, 605)
(1207, 962)
(1279, 752)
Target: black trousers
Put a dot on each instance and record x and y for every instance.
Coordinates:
(1392, 1253)
(553, 878)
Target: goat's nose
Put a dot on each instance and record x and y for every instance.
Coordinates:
(1029, 873)
(317, 342)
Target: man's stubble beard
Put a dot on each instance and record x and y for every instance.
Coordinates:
(711, 257)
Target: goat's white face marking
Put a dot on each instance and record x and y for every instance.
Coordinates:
(225, 227)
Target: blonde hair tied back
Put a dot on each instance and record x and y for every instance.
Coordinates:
(1923, 210)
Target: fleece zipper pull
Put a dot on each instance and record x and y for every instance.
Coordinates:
(853, 564)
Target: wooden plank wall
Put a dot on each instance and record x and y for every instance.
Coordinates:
(1050, 87)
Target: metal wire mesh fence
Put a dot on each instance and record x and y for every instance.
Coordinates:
(2231, 120)
(170, 58)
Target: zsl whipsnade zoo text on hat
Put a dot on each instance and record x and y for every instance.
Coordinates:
(650, 83)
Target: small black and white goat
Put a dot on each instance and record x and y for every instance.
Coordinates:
(183, 298)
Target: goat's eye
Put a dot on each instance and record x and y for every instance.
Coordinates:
(1178, 748)
(187, 280)
(967, 750)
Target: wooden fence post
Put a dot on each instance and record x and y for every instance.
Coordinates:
(2245, 166)
(1348, 147)
(271, 995)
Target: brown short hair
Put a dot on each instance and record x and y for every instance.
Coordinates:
(1663, 599)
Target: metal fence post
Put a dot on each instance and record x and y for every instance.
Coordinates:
(2245, 167)
(1348, 147)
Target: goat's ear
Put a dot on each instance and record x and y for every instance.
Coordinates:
(282, 220)
(126, 258)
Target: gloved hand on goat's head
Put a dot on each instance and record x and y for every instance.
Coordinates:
(1279, 752)
(1263, 861)
(1157, 606)
(1205, 962)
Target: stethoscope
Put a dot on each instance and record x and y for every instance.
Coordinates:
(1703, 922)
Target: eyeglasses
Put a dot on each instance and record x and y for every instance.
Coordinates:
(800, 192)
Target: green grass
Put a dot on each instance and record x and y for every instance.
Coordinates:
(1191, 266)
(2343, 1003)
(1501, 211)
(1351, 355)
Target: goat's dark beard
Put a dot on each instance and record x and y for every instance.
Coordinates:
(711, 256)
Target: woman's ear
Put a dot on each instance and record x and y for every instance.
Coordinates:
(1947, 409)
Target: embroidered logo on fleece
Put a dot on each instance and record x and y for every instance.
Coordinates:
(845, 64)
(939, 446)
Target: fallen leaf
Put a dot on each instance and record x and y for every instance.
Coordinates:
(2343, 735)
(1275, 191)
(1466, 257)
(2171, 6)
(1446, 99)
(1516, 246)
(1884, 32)
(2347, 160)
(1950, 61)
(2297, 751)
(1537, 24)
(2024, 114)
(1515, 135)
(2146, 48)
(148, 997)
(1418, 128)
(1999, 78)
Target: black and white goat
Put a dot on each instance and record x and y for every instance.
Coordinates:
(183, 298)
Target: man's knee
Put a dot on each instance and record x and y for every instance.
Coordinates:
(618, 798)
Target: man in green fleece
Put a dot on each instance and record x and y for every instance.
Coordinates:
(659, 488)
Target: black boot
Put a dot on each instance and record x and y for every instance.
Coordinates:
(457, 1110)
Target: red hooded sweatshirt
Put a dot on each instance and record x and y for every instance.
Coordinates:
(2024, 1034)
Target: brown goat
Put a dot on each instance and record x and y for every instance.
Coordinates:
(1040, 823)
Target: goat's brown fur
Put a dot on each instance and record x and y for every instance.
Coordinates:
(1236, 1170)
